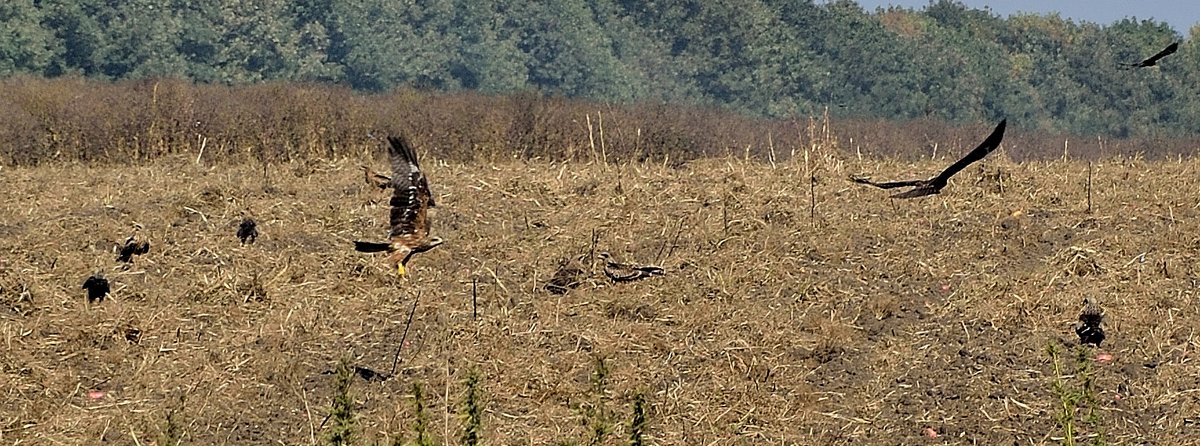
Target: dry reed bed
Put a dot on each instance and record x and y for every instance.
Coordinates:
(863, 326)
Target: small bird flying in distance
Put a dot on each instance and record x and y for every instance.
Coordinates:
(247, 231)
(376, 179)
(410, 205)
(934, 185)
(628, 272)
(96, 286)
(1153, 60)
(132, 247)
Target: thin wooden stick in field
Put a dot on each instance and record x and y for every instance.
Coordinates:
(1089, 188)
(673, 241)
(591, 139)
(812, 200)
(474, 299)
(404, 337)
(771, 152)
(603, 149)
(203, 144)
(812, 190)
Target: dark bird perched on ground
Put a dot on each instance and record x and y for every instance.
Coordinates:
(568, 277)
(97, 287)
(934, 185)
(247, 231)
(628, 272)
(376, 179)
(1153, 60)
(370, 375)
(410, 204)
(132, 247)
(1089, 330)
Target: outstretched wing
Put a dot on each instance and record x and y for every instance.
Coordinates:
(986, 147)
(411, 198)
(886, 185)
(1161, 54)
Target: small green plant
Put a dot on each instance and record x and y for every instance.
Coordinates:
(173, 432)
(342, 413)
(421, 422)
(1074, 399)
(637, 427)
(472, 411)
(596, 414)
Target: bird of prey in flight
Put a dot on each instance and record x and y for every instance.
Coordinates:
(934, 185)
(1153, 60)
(410, 205)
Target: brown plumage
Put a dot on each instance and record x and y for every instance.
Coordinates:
(568, 277)
(628, 272)
(1088, 329)
(410, 205)
(132, 247)
(1153, 60)
(376, 179)
(934, 185)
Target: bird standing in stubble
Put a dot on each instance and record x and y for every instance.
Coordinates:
(1088, 329)
(628, 272)
(132, 247)
(97, 287)
(410, 203)
(376, 179)
(247, 231)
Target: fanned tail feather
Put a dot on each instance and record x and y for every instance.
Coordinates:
(362, 246)
(652, 270)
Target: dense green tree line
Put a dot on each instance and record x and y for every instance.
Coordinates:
(764, 57)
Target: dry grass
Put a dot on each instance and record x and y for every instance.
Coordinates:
(865, 326)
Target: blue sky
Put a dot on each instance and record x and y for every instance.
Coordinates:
(1180, 14)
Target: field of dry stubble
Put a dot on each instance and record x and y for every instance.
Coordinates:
(869, 324)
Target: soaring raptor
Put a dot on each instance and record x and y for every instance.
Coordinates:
(1153, 60)
(410, 204)
(934, 185)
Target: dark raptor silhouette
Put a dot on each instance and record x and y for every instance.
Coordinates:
(247, 231)
(1088, 329)
(934, 185)
(132, 247)
(97, 287)
(1153, 60)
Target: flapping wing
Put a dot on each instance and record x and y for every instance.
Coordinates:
(888, 184)
(986, 147)
(1174, 46)
(411, 198)
(919, 191)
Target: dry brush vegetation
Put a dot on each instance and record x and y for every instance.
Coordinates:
(840, 317)
(866, 325)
